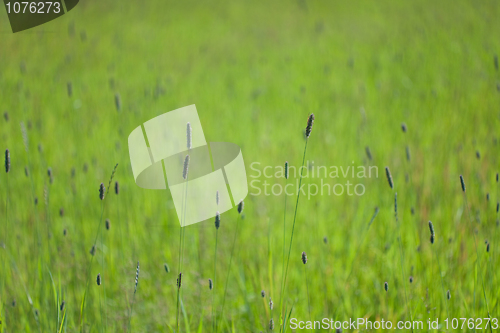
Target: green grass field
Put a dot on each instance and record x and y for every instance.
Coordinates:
(255, 71)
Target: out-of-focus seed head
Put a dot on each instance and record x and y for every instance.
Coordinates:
(61, 212)
(411, 279)
(108, 224)
(386, 286)
(92, 250)
(117, 188)
(7, 160)
(389, 177)
(65, 232)
(210, 284)
(286, 170)
(431, 227)
(36, 201)
(448, 295)
(189, 136)
(408, 153)
(304, 258)
(478, 155)
(310, 122)
(186, 167)
(462, 183)
(271, 324)
(26, 172)
(217, 220)
(241, 205)
(69, 88)
(270, 303)
(98, 280)
(432, 238)
(6, 116)
(62, 305)
(487, 197)
(263, 293)
(118, 102)
(403, 127)
(102, 190)
(412, 211)
(498, 206)
(325, 240)
(368, 153)
(488, 247)
(167, 269)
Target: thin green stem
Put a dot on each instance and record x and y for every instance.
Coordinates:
(229, 269)
(291, 238)
(307, 289)
(214, 312)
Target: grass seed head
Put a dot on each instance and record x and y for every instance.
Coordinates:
(98, 280)
(304, 258)
(6, 116)
(431, 228)
(118, 102)
(310, 122)
(167, 269)
(498, 206)
(478, 155)
(325, 240)
(403, 127)
(69, 87)
(102, 190)
(189, 136)
(386, 286)
(432, 238)
(262, 293)
(270, 303)
(448, 294)
(286, 170)
(136, 278)
(108, 224)
(62, 306)
(210, 284)
(92, 250)
(7, 160)
(488, 247)
(179, 281)
(411, 279)
(389, 177)
(186, 167)
(368, 153)
(408, 153)
(487, 197)
(271, 324)
(217, 220)
(65, 232)
(241, 205)
(462, 183)
(117, 188)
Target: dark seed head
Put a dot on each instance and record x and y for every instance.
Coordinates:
(102, 189)
(62, 306)
(488, 247)
(241, 205)
(210, 284)
(411, 279)
(118, 102)
(487, 197)
(186, 167)
(270, 303)
(498, 206)
(386, 286)
(179, 281)
(304, 258)
(92, 250)
(65, 232)
(497, 177)
(108, 224)
(167, 269)
(7, 160)
(325, 240)
(263, 293)
(432, 238)
(36, 201)
(271, 324)
(6, 116)
(217, 220)
(412, 211)
(61, 212)
(368, 153)
(136, 277)
(310, 122)
(98, 280)
(478, 155)
(389, 177)
(462, 183)
(448, 294)
(407, 153)
(403, 127)
(117, 188)
(431, 228)
(286, 170)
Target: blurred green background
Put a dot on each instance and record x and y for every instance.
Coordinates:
(255, 71)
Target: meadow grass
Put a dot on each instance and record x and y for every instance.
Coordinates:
(255, 72)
